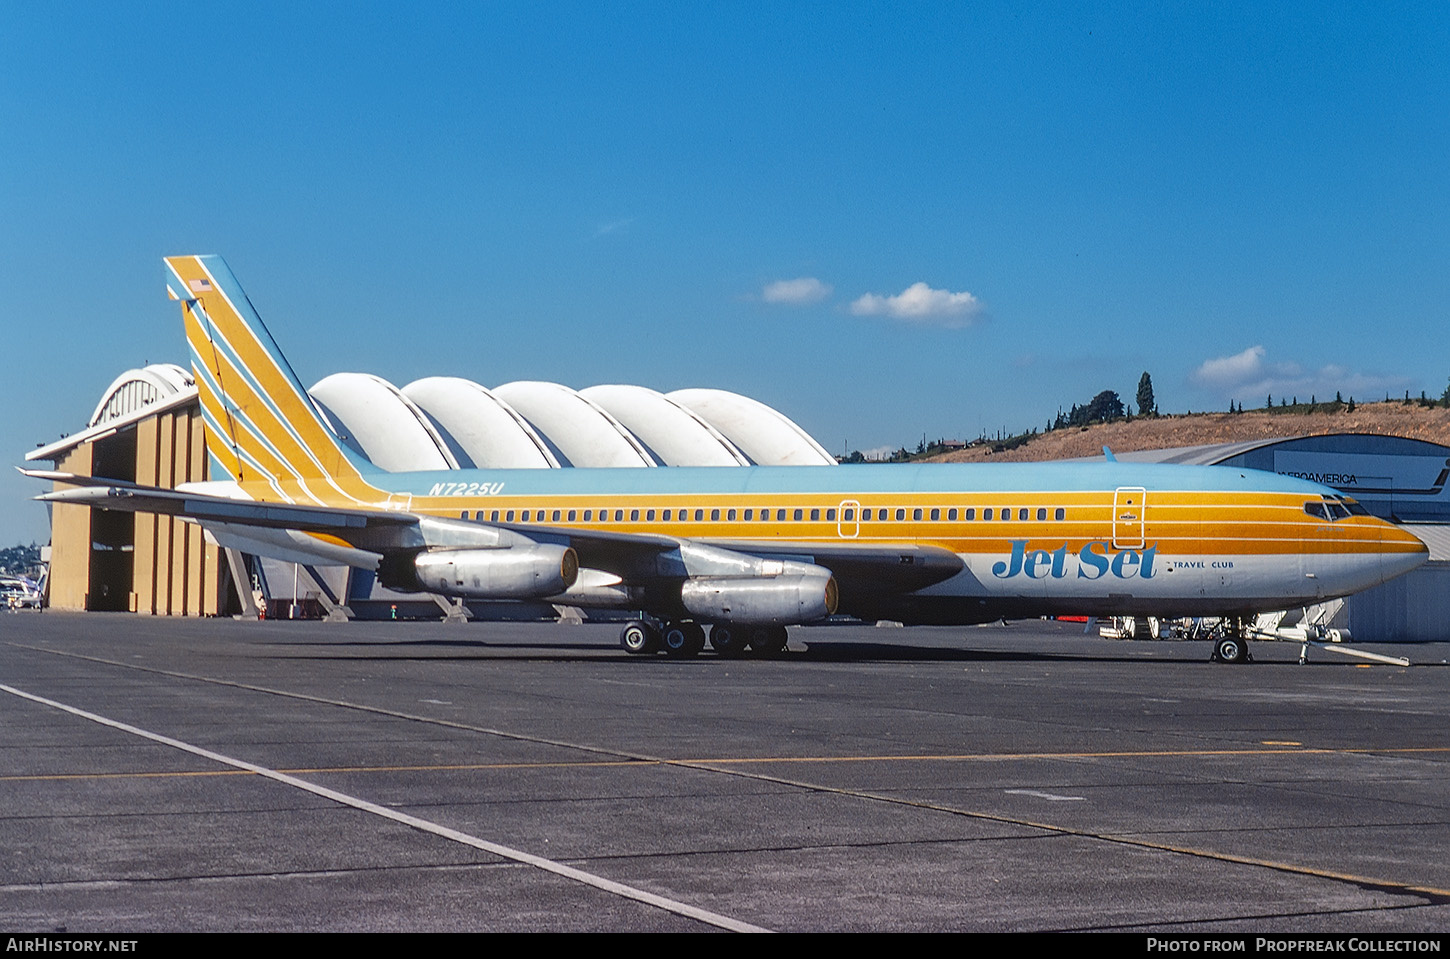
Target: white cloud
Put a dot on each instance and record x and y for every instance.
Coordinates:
(920, 303)
(1250, 374)
(1230, 371)
(802, 290)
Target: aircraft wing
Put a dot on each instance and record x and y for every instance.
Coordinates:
(132, 498)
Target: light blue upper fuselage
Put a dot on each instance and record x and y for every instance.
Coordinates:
(851, 480)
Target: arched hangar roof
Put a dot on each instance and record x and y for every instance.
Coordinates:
(377, 420)
(481, 430)
(135, 389)
(578, 432)
(765, 435)
(671, 433)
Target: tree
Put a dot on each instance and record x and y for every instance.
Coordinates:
(1146, 404)
(1445, 397)
(1105, 406)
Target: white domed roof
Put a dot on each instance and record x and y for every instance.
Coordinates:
(768, 437)
(673, 434)
(481, 430)
(577, 432)
(376, 419)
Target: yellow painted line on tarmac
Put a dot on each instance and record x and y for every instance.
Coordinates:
(1116, 754)
(745, 761)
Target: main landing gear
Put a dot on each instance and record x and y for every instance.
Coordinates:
(1231, 646)
(684, 639)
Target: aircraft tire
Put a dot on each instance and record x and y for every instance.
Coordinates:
(769, 640)
(1231, 649)
(727, 640)
(639, 638)
(683, 639)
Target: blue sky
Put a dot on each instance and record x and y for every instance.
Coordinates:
(885, 220)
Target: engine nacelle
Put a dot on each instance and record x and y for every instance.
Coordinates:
(516, 572)
(762, 601)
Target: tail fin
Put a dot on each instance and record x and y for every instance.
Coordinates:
(260, 423)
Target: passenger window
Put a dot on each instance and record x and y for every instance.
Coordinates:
(509, 516)
(780, 516)
(900, 515)
(815, 515)
(1023, 513)
(634, 516)
(730, 515)
(494, 516)
(649, 516)
(588, 515)
(1061, 513)
(666, 516)
(799, 515)
(830, 516)
(1005, 515)
(916, 513)
(971, 515)
(987, 513)
(699, 516)
(556, 516)
(936, 514)
(714, 515)
(619, 516)
(749, 515)
(866, 515)
(848, 515)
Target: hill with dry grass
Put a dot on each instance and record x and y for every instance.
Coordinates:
(1393, 418)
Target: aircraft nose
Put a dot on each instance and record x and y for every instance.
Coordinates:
(1403, 551)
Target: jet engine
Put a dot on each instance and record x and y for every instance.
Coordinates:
(764, 601)
(515, 572)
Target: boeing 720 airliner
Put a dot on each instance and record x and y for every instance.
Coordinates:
(747, 551)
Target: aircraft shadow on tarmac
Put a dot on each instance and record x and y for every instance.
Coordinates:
(816, 651)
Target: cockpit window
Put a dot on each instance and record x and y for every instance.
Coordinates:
(1338, 511)
(1315, 508)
